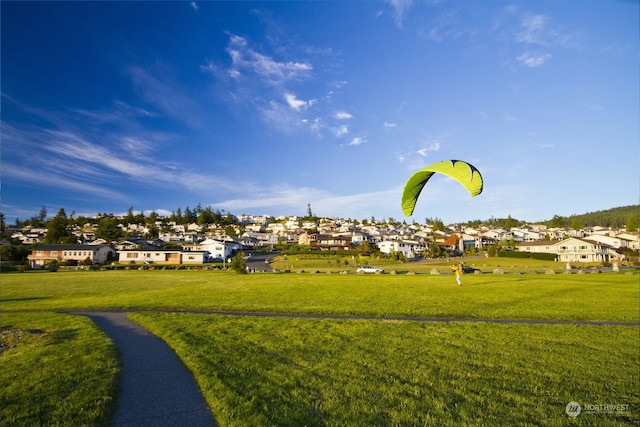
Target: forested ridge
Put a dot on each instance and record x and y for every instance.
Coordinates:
(616, 218)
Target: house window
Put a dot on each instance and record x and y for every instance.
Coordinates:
(132, 255)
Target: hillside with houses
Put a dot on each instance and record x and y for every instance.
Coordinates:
(137, 239)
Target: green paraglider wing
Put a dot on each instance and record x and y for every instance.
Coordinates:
(463, 172)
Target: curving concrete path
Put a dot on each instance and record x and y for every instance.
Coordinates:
(156, 389)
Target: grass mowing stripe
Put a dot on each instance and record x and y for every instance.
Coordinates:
(282, 371)
(57, 370)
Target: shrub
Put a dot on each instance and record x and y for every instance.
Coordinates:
(52, 265)
(514, 254)
(544, 256)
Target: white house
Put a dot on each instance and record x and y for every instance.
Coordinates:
(571, 249)
(159, 256)
(408, 248)
(628, 240)
(581, 250)
(216, 249)
(541, 246)
(614, 242)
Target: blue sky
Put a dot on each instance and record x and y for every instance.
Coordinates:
(266, 107)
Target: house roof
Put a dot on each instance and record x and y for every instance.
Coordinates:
(69, 247)
(539, 243)
(451, 240)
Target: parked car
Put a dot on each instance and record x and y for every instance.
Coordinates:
(466, 269)
(370, 269)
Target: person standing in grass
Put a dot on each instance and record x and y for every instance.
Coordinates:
(459, 270)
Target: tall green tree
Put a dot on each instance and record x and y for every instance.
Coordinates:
(632, 223)
(109, 228)
(238, 263)
(556, 222)
(58, 229)
(576, 224)
(436, 224)
(510, 223)
(42, 215)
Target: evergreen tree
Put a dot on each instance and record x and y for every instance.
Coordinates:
(57, 229)
(41, 216)
(108, 228)
(576, 224)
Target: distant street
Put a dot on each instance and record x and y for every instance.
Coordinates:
(256, 262)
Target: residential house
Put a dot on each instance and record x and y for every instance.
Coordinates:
(29, 237)
(614, 242)
(159, 256)
(540, 246)
(216, 249)
(97, 254)
(304, 239)
(408, 248)
(453, 244)
(629, 240)
(329, 242)
(571, 249)
(262, 238)
(582, 250)
(125, 245)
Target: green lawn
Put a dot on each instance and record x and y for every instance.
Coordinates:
(56, 370)
(527, 296)
(296, 371)
(318, 372)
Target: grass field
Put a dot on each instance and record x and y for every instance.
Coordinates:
(341, 372)
(56, 370)
(317, 372)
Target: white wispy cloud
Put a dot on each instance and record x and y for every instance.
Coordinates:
(358, 140)
(284, 199)
(298, 104)
(95, 162)
(389, 125)
(414, 159)
(530, 60)
(342, 115)
(194, 5)
(428, 147)
(158, 87)
(445, 26)
(54, 179)
(399, 10)
(532, 29)
(245, 58)
(341, 130)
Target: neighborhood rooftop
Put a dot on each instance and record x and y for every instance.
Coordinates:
(197, 243)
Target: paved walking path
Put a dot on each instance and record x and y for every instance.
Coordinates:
(156, 389)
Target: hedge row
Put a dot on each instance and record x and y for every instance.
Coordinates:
(534, 255)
